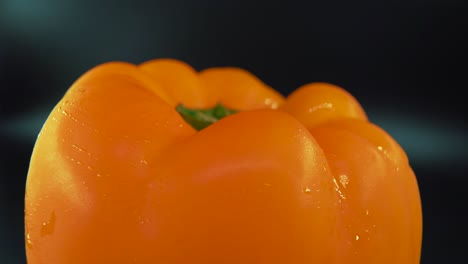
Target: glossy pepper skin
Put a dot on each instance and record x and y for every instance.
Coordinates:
(118, 176)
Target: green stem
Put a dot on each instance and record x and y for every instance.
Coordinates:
(201, 118)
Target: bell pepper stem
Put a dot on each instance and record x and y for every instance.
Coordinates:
(201, 118)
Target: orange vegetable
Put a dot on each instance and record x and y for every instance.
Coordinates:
(117, 175)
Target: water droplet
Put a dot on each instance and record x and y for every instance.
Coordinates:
(48, 227)
(306, 190)
(337, 189)
(271, 103)
(380, 148)
(320, 106)
(28, 241)
(344, 180)
(357, 237)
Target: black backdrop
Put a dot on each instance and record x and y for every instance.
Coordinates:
(403, 60)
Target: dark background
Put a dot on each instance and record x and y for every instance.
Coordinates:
(403, 60)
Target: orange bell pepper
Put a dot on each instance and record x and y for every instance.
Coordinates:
(118, 175)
